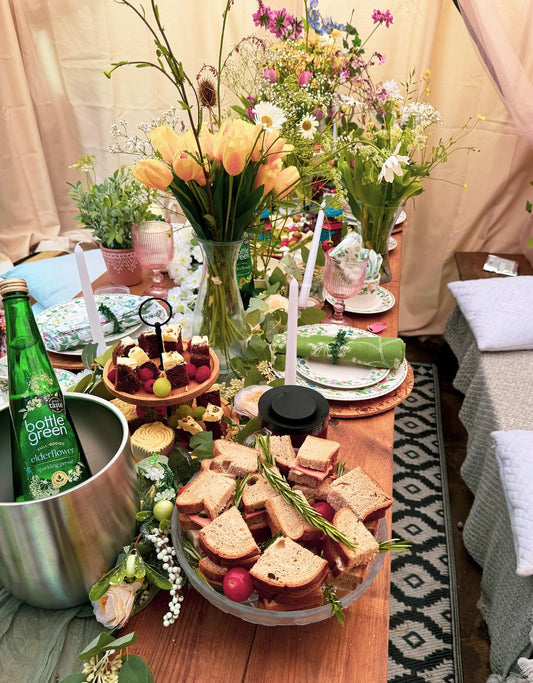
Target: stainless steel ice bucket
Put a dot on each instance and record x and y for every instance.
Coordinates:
(53, 550)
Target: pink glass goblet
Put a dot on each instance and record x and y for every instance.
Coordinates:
(153, 242)
(343, 278)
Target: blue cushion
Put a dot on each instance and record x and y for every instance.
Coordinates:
(53, 280)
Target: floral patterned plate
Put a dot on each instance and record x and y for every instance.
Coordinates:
(392, 381)
(340, 376)
(66, 380)
(392, 243)
(385, 302)
(65, 327)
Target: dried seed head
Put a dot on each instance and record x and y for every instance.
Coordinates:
(207, 92)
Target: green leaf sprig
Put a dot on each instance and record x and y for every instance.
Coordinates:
(281, 485)
(239, 489)
(108, 313)
(335, 346)
(394, 545)
(330, 595)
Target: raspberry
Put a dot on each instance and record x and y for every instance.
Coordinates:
(149, 385)
(112, 375)
(146, 374)
(190, 369)
(203, 374)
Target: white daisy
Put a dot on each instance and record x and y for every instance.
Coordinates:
(391, 166)
(269, 116)
(308, 127)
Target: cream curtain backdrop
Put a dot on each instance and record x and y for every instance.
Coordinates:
(57, 105)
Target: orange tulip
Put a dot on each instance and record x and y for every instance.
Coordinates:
(207, 140)
(166, 141)
(185, 167)
(153, 173)
(267, 175)
(286, 182)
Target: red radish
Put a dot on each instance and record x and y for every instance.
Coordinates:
(203, 374)
(324, 509)
(112, 375)
(145, 374)
(237, 584)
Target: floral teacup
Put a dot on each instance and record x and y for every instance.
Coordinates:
(368, 296)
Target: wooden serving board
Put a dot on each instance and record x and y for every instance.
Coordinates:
(176, 396)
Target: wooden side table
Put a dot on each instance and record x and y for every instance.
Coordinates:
(470, 264)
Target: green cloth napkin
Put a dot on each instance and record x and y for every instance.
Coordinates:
(376, 352)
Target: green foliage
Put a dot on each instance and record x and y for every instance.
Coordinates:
(110, 208)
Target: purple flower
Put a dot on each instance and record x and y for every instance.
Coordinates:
(304, 78)
(381, 57)
(250, 113)
(279, 22)
(270, 75)
(318, 113)
(380, 17)
(263, 16)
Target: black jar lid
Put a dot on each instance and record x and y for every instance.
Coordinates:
(293, 409)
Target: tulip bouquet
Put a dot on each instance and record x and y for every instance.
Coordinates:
(390, 158)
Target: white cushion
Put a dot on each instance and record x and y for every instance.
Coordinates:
(498, 311)
(514, 452)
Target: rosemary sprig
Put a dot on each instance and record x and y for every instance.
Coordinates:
(394, 545)
(340, 469)
(192, 555)
(108, 313)
(269, 541)
(239, 488)
(336, 345)
(330, 595)
(299, 503)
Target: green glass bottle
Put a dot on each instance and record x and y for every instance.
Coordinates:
(47, 456)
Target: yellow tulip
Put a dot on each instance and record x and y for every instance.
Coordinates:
(207, 140)
(286, 181)
(267, 175)
(166, 141)
(153, 173)
(235, 155)
(185, 167)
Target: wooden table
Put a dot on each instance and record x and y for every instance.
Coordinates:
(206, 644)
(470, 264)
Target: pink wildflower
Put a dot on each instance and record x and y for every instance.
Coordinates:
(304, 78)
(270, 75)
(380, 17)
(279, 22)
(263, 16)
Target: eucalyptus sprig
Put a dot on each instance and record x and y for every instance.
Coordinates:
(108, 313)
(330, 595)
(335, 346)
(394, 545)
(299, 503)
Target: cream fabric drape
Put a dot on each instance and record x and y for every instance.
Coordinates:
(57, 105)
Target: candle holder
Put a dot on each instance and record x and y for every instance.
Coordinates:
(157, 325)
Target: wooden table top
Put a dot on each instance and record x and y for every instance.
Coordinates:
(207, 644)
(470, 264)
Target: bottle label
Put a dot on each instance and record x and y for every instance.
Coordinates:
(48, 446)
(244, 267)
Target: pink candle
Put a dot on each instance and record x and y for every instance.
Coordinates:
(292, 333)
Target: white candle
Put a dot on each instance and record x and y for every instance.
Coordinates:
(292, 334)
(310, 266)
(92, 313)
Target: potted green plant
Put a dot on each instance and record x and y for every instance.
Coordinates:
(109, 209)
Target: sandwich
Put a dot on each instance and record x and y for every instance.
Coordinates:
(228, 541)
(204, 498)
(358, 491)
(233, 458)
(340, 556)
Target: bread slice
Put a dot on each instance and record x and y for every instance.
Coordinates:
(283, 451)
(283, 517)
(314, 598)
(286, 566)
(319, 492)
(358, 491)
(228, 540)
(366, 546)
(234, 458)
(212, 571)
(347, 581)
(209, 491)
(256, 493)
(317, 454)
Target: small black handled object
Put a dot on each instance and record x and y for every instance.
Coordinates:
(157, 324)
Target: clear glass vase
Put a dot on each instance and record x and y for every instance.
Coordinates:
(219, 311)
(377, 222)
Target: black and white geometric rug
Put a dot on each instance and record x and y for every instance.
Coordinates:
(424, 643)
